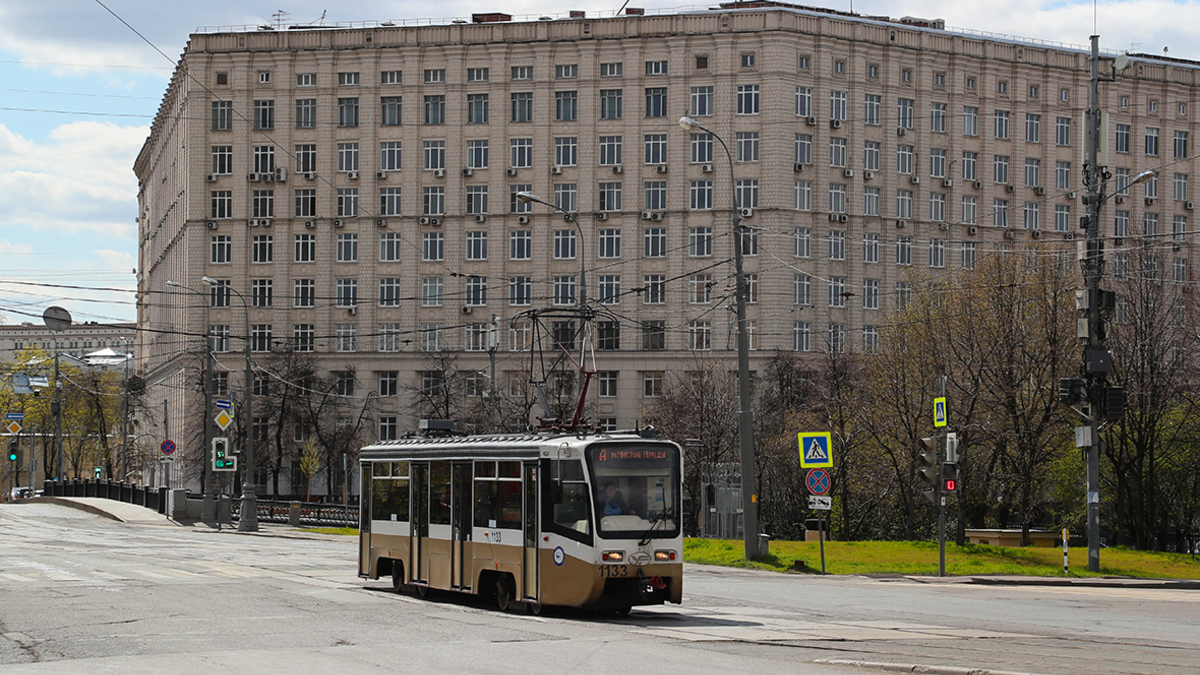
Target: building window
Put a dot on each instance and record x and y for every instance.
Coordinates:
(477, 108)
(655, 195)
(222, 115)
(348, 112)
(610, 197)
(391, 77)
(262, 248)
(432, 246)
(610, 104)
(218, 337)
(520, 291)
(702, 101)
(389, 246)
(652, 384)
(435, 109)
(345, 339)
(522, 107)
(264, 114)
(347, 292)
(610, 150)
(656, 102)
(391, 106)
(476, 291)
(566, 106)
(612, 69)
(303, 293)
(701, 195)
(653, 289)
(433, 200)
(431, 292)
(609, 289)
(261, 291)
(1001, 126)
(389, 292)
(303, 337)
(347, 202)
(477, 199)
(435, 76)
(747, 146)
(220, 249)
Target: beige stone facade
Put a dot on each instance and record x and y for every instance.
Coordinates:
(861, 147)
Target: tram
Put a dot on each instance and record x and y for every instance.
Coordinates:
(581, 519)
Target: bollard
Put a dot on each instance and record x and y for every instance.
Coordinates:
(764, 545)
(294, 514)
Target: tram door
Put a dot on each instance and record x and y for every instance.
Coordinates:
(364, 520)
(460, 525)
(530, 497)
(420, 520)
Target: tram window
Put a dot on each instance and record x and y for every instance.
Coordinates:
(485, 469)
(389, 499)
(439, 493)
(382, 469)
(498, 504)
(400, 469)
(569, 497)
(510, 469)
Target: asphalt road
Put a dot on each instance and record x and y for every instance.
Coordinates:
(80, 593)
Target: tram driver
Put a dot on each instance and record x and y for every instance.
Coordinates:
(613, 502)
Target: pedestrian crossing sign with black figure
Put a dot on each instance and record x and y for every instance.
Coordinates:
(816, 450)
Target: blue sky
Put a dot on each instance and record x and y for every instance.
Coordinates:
(79, 88)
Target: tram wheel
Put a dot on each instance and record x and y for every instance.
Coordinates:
(534, 608)
(422, 591)
(397, 578)
(504, 593)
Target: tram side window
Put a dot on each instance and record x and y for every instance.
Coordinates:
(439, 493)
(389, 499)
(498, 503)
(569, 497)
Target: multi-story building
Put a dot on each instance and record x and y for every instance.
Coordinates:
(358, 186)
(78, 341)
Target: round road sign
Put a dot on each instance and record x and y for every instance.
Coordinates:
(57, 319)
(168, 447)
(818, 482)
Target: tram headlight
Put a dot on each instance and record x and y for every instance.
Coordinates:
(613, 556)
(664, 556)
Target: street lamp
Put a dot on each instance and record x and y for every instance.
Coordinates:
(208, 512)
(746, 414)
(573, 217)
(248, 521)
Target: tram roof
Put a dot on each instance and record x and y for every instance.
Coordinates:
(498, 445)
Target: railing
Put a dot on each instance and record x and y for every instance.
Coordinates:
(310, 514)
(142, 495)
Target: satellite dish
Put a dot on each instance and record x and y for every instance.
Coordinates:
(1121, 62)
(57, 319)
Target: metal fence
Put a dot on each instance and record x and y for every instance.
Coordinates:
(154, 498)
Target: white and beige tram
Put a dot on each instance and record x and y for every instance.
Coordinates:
(585, 520)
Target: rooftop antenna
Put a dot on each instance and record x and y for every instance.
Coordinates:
(279, 18)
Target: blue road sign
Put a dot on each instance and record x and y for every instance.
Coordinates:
(818, 482)
(168, 447)
(223, 404)
(816, 449)
(14, 416)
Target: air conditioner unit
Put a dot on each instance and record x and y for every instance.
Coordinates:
(915, 180)
(843, 218)
(253, 222)
(833, 218)
(900, 131)
(310, 175)
(943, 226)
(353, 175)
(1120, 199)
(339, 223)
(423, 220)
(1118, 242)
(253, 178)
(510, 172)
(868, 175)
(1039, 191)
(280, 174)
(380, 222)
(811, 121)
(522, 220)
(1070, 196)
(946, 182)
(798, 167)
(310, 224)
(1036, 234)
(468, 172)
(1010, 188)
(901, 224)
(848, 173)
(439, 173)
(555, 170)
(661, 168)
(568, 217)
(1009, 234)
(212, 225)
(647, 214)
(212, 177)
(381, 175)
(618, 169)
(480, 218)
(352, 310)
(267, 177)
(601, 216)
(835, 124)
(978, 185)
(1189, 205)
(467, 309)
(1149, 201)
(706, 168)
(435, 222)
(972, 230)
(1069, 236)
(656, 216)
(1175, 247)
(264, 222)
(746, 212)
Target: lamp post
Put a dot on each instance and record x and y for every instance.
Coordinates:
(746, 414)
(125, 421)
(573, 217)
(248, 521)
(208, 511)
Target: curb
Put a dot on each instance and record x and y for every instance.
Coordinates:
(917, 668)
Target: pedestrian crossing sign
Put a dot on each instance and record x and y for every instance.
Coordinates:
(816, 449)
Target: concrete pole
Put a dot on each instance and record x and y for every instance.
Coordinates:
(1093, 269)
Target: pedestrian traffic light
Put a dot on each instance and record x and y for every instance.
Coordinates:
(949, 478)
(222, 459)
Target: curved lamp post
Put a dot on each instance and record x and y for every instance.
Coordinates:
(208, 512)
(746, 414)
(248, 520)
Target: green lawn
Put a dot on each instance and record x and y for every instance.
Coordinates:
(921, 558)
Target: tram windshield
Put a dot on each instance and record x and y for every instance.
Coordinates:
(636, 489)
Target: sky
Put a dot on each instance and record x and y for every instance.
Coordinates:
(80, 81)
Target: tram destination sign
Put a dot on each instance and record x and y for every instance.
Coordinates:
(634, 455)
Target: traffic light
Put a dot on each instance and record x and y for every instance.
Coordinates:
(222, 458)
(949, 478)
(928, 467)
(13, 454)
